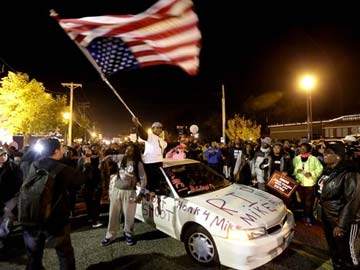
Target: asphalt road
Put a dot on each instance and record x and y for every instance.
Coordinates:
(155, 250)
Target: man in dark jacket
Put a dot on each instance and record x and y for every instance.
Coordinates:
(57, 229)
(10, 183)
(339, 191)
(88, 165)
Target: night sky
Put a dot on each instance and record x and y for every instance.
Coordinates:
(257, 51)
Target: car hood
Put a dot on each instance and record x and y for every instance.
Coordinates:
(242, 205)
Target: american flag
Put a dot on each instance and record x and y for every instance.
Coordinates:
(166, 33)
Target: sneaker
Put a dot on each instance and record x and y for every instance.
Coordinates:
(97, 225)
(129, 240)
(106, 241)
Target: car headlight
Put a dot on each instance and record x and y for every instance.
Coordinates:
(234, 233)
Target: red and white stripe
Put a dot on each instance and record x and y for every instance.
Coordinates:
(166, 33)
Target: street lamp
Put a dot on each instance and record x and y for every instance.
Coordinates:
(307, 83)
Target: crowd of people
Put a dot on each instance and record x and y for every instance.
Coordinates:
(327, 172)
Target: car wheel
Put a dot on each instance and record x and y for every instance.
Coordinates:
(200, 246)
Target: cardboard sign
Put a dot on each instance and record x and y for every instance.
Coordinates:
(284, 185)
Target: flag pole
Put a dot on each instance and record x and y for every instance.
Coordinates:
(103, 77)
(54, 14)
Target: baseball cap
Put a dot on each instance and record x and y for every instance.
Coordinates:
(337, 147)
(156, 124)
(303, 140)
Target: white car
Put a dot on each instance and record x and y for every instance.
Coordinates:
(219, 222)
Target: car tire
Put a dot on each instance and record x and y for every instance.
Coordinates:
(200, 246)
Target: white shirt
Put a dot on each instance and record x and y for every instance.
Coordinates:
(154, 149)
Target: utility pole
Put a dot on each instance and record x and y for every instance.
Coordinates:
(72, 86)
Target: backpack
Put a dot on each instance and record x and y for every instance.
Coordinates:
(35, 202)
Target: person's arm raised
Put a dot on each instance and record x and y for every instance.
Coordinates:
(141, 131)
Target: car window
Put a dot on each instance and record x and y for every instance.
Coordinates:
(193, 179)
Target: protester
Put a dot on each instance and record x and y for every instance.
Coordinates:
(340, 200)
(57, 230)
(29, 156)
(214, 158)
(287, 147)
(122, 193)
(352, 150)
(280, 160)
(235, 150)
(88, 164)
(307, 169)
(178, 152)
(10, 183)
(262, 161)
(194, 149)
(153, 154)
(71, 158)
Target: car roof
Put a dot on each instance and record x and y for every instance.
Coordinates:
(169, 162)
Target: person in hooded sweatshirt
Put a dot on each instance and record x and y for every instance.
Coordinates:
(339, 189)
(262, 160)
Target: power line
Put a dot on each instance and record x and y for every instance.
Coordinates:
(53, 92)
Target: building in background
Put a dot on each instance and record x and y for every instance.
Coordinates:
(327, 129)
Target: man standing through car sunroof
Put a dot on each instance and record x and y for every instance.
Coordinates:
(153, 154)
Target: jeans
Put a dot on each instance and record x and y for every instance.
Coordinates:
(35, 238)
(307, 195)
(7, 218)
(154, 175)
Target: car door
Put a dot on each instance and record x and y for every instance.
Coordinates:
(164, 214)
(159, 210)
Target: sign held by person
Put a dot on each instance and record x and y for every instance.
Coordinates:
(282, 184)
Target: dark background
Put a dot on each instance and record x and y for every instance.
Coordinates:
(257, 51)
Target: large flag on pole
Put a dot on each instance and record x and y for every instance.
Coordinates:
(166, 33)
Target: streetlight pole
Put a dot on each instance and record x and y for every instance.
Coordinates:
(309, 115)
(308, 83)
(223, 110)
(72, 86)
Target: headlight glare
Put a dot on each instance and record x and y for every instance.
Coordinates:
(234, 233)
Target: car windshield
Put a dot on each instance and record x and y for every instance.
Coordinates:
(191, 179)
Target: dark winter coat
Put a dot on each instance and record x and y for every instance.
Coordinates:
(340, 196)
